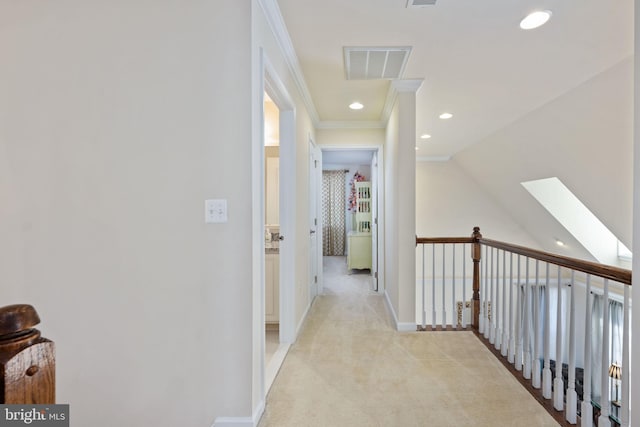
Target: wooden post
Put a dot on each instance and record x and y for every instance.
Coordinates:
(476, 255)
(27, 361)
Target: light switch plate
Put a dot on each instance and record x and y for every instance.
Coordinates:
(215, 211)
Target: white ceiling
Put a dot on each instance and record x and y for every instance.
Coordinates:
(475, 60)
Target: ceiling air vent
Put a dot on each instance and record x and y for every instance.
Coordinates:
(420, 3)
(370, 63)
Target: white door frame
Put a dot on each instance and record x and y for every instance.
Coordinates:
(378, 148)
(266, 79)
(280, 96)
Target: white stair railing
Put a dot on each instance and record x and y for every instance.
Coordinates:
(536, 310)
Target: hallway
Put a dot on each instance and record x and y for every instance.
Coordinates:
(349, 368)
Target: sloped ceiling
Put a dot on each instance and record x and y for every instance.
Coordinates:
(583, 137)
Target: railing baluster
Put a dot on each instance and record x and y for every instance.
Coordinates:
(625, 406)
(492, 293)
(558, 382)
(603, 420)
(453, 289)
(572, 396)
(464, 283)
(546, 372)
(482, 293)
(444, 279)
(527, 326)
(505, 330)
(519, 307)
(424, 292)
(485, 295)
(512, 323)
(536, 368)
(586, 412)
(433, 286)
(498, 311)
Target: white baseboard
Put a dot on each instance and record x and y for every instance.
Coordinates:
(304, 317)
(241, 421)
(233, 422)
(399, 326)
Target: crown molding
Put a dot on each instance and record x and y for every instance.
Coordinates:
(279, 29)
(407, 85)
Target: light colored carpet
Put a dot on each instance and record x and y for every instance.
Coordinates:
(349, 368)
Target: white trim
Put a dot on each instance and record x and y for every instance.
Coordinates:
(279, 29)
(257, 249)
(268, 80)
(233, 422)
(407, 85)
(251, 421)
(399, 326)
(303, 319)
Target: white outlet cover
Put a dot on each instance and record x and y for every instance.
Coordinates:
(215, 211)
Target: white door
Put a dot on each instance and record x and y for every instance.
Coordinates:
(314, 168)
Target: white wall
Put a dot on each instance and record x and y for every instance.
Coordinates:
(450, 203)
(119, 119)
(635, 337)
(400, 206)
(390, 211)
(350, 137)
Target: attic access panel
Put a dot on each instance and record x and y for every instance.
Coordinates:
(375, 63)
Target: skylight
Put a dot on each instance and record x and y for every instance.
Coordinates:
(556, 198)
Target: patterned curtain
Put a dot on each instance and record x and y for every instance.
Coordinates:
(333, 212)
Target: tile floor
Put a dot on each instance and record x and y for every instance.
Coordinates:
(349, 368)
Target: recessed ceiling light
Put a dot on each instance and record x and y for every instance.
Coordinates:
(425, 136)
(535, 19)
(446, 116)
(356, 106)
(417, 148)
(559, 242)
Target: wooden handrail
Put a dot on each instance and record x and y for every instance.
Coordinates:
(616, 274)
(606, 271)
(427, 240)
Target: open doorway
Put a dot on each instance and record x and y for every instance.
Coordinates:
(278, 198)
(272, 227)
(350, 219)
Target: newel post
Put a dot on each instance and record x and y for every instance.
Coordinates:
(476, 255)
(27, 361)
